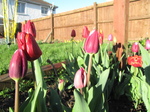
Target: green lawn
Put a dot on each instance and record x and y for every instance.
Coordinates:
(56, 52)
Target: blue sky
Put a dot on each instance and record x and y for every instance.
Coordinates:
(66, 5)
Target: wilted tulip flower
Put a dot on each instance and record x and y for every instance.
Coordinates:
(91, 44)
(80, 78)
(61, 84)
(85, 32)
(110, 37)
(73, 33)
(18, 65)
(29, 28)
(135, 47)
(147, 44)
(135, 61)
(27, 43)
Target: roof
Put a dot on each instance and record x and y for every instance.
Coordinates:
(39, 2)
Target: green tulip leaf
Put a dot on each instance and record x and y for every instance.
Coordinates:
(80, 103)
(94, 96)
(10, 110)
(55, 101)
(145, 56)
(103, 78)
(80, 61)
(40, 81)
(33, 101)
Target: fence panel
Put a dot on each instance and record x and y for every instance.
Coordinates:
(61, 24)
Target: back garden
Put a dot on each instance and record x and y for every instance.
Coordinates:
(110, 88)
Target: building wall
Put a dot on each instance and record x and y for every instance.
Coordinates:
(32, 11)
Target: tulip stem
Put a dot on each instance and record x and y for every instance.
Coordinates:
(16, 96)
(72, 45)
(81, 91)
(89, 70)
(32, 66)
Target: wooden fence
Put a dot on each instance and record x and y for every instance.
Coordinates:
(59, 26)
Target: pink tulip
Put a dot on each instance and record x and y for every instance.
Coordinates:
(27, 43)
(110, 37)
(73, 33)
(85, 32)
(147, 44)
(91, 44)
(135, 47)
(80, 78)
(18, 65)
(29, 28)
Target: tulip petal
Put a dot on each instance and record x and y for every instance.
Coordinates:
(80, 78)
(92, 43)
(18, 65)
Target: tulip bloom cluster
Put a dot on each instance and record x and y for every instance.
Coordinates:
(135, 61)
(91, 46)
(28, 49)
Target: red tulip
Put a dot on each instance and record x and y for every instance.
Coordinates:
(110, 37)
(80, 78)
(135, 47)
(18, 65)
(101, 37)
(147, 44)
(73, 33)
(29, 28)
(135, 61)
(85, 32)
(27, 43)
(91, 44)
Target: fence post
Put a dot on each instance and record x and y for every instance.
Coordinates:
(95, 15)
(52, 27)
(121, 17)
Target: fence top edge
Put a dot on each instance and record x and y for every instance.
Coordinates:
(74, 11)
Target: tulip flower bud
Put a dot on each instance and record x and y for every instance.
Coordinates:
(135, 47)
(91, 44)
(29, 28)
(73, 33)
(101, 37)
(80, 78)
(27, 43)
(147, 44)
(61, 84)
(110, 37)
(85, 32)
(18, 65)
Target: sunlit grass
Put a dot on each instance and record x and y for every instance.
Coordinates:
(56, 52)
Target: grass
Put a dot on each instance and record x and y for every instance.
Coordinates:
(56, 52)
